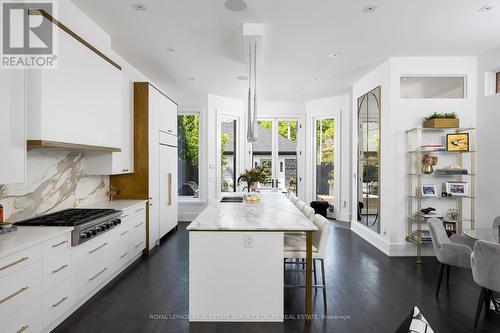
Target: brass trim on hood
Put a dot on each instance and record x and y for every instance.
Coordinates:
(69, 146)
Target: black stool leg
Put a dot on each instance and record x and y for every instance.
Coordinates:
(441, 271)
(479, 306)
(324, 282)
(448, 275)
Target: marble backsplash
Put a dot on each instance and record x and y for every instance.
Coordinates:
(55, 181)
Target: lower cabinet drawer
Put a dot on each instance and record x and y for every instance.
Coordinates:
(20, 287)
(57, 301)
(19, 260)
(137, 242)
(56, 269)
(27, 319)
(89, 278)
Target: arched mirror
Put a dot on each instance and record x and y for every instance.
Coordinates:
(369, 159)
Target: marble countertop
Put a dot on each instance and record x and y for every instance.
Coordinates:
(25, 237)
(116, 204)
(275, 212)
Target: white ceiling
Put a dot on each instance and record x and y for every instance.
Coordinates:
(299, 37)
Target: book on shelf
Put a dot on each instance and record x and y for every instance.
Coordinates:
(431, 148)
(425, 217)
(451, 172)
(421, 235)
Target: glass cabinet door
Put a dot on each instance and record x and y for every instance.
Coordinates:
(369, 159)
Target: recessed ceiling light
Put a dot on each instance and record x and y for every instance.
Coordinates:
(192, 78)
(485, 8)
(369, 9)
(303, 95)
(235, 5)
(169, 49)
(139, 6)
(315, 79)
(334, 54)
(242, 78)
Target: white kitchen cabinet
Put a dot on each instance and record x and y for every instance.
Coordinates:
(166, 110)
(155, 115)
(79, 102)
(168, 183)
(12, 126)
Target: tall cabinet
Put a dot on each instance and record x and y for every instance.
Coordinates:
(155, 123)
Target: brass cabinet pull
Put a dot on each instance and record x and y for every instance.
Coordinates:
(60, 243)
(59, 269)
(138, 210)
(22, 329)
(125, 170)
(98, 248)
(139, 244)
(138, 225)
(13, 295)
(124, 233)
(59, 302)
(95, 276)
(169, 189)
(123, 255)
(14, 263)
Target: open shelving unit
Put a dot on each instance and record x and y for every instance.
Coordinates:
(416, 138)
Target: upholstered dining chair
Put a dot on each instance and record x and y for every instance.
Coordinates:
(293, 198)
(496, 222)
(453, 251)
(485, 262)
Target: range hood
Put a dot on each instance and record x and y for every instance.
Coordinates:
(69, 146)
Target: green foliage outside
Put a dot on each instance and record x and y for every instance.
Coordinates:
(282, 128)
(325, 133)
(189, 130)
(223, 141)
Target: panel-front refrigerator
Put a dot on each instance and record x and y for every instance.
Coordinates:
(168, 182)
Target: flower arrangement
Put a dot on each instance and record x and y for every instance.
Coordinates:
(253, 176)
(428, 162)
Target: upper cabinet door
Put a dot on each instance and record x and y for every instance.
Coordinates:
(79, 101)
(12, 126)
(164, 110)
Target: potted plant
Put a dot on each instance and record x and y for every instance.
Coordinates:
(252, 177)
(442, 120)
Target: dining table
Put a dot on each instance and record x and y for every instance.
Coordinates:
(487, 234)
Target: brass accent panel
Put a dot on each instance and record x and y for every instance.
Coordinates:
(135, 186)
(309, 260)
(498, 83)
(73, 34)
(69, 146)
(169, 189)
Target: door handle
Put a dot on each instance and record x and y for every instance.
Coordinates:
(169, 189)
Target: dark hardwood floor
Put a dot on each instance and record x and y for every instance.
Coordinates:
(367, 291)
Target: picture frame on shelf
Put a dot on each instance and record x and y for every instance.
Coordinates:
(428, 190)
(457, 142)
(450, 227)
(457, 189)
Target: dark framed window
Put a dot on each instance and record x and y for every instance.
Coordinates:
(188, 128)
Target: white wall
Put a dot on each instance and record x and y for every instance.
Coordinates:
(338, 107)
(488, 159)
(398, 115)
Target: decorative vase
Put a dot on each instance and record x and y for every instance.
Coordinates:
(427, 169)
(253, 187)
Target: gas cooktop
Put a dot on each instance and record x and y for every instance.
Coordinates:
(87, 222)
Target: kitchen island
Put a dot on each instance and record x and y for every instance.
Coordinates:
(236, 265)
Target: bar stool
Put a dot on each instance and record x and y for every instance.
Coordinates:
(293, 198)
(300, 204)
(308, 212)
(295, 248)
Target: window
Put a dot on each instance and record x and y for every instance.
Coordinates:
(432, 87)
(325, 181)
(228, 155)
(189, 155)
(498, 83)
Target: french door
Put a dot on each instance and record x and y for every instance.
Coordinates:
(278, 152)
